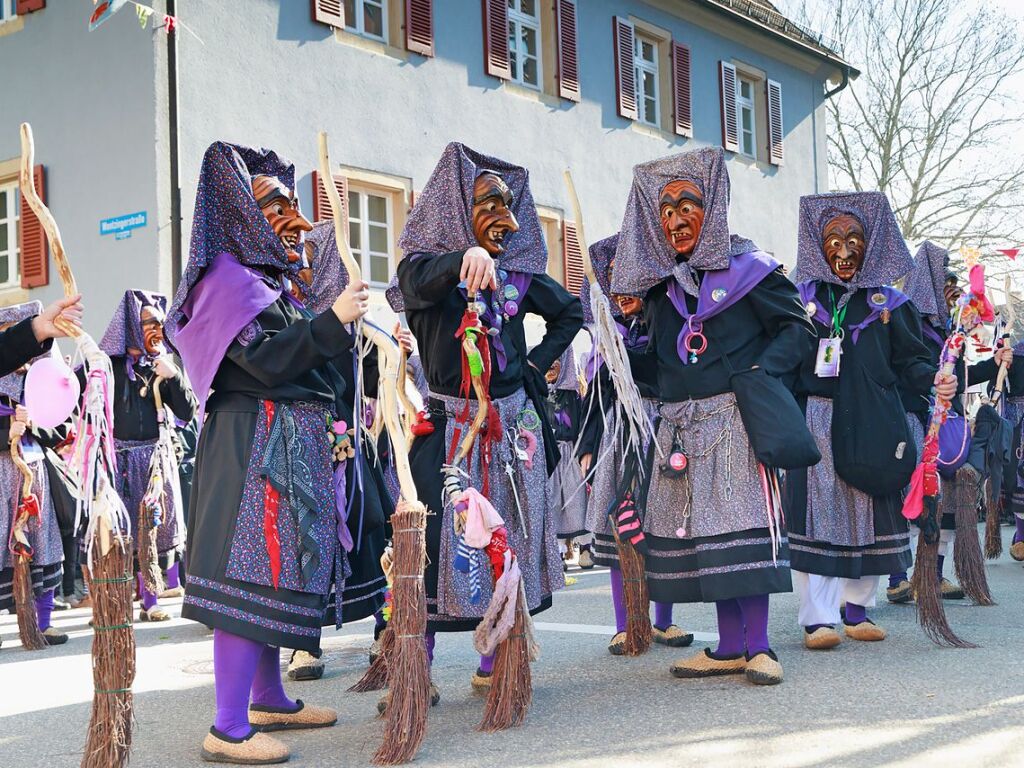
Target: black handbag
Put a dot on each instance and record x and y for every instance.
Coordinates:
(775, 425)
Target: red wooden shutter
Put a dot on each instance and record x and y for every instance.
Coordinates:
(419, 26)
(29, 6)
(730, 119)
(572, 258)
(35, 258)
(496, 61)
(321, 203)
(329, 12)
(568, 62)
(775, 133)
(625, 74)
(681, 89)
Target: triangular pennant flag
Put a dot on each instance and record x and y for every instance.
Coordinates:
(170, 22)
(144, 14)
(1009, 252)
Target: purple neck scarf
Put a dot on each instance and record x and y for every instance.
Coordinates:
(719, 290)
(882, 299)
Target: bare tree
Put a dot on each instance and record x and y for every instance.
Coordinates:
(930, 120)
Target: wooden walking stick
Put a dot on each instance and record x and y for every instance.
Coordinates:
(633, 429)
(993, 534)
(107, 539)
(408, 669)
(26, 509)
(153, 510)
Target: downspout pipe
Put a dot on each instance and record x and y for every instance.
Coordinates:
(843, 84)
(173, 154)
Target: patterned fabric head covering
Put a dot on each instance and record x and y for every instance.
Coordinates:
(125, 329)
(329, 275)
(13, 384)
(644, 257)
(886, 257)
(227, 218)
(927, 280)
(601, 254)
(442, 219)
(568, 375)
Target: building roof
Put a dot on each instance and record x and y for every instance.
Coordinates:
(763, 15)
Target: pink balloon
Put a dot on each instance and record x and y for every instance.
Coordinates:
(51, 392)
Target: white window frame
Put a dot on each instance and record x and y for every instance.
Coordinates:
(748, 105)
(640, 66)
(359, 25)
(11, 221)
(8, 10)
(517, 19)
(363, 253)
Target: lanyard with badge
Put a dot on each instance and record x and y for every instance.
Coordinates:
(830, 350)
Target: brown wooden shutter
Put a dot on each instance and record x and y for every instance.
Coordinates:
(419, 26)
(35, 258)
(683, 110)
(730, 118)
(775, 132)
(496, 61)
(568, 47)
(329, 12)
(29, 6)
(321, 203)
(572, 258)
(625, 74)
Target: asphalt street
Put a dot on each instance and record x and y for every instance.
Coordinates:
(902, 702)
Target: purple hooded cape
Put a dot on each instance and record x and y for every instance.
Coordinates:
(13, 384)
(601, 254)
(235, 260)
(568, 375)
(124, 331)
(442, 219)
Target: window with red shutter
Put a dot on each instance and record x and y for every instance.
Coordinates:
(419, 26)
(572, 257)
(322, 204)
(496, 61)
(625, 75)
(35, 257)
(775, 132)
(28, 6)
(683, 111)
(329, 12)
(727, 94)
(568, 46)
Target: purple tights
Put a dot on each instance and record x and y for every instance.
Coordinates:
(240, 667)
(147, 598)
(44, 608)
(431, 638)
(855, 614)
(742, 625)
(267, 689)
(173, 582)
(662, 611)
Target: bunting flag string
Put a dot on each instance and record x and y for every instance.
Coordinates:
(107, 8)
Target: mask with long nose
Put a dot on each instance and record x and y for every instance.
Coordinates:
(152, 321)
(682, 215)
(281, 208)
(493, 220)
(844, 244)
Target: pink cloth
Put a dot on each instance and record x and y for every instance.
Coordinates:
(481, 518)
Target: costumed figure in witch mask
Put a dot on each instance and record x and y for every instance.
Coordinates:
(603, 450)
(144, 370)
(42, 533)
(263, 525)
(719, 314)
(845, 514)
(474, 239)
(1012, 497)
(362, 498)
(933, 289)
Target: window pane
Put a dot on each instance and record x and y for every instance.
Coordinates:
(353, 205)
(745, 89)
(355, 240)
(530, 71)
(513, 60)
(746, 118)
(3, 192)
(512, 4)
(529, 7)
(650, 113)
(648, 84)
(378, 208)
(374, 20)
(647, 51)
(379, 269)
(748, 144)
(5, 269)
(379, 239)
(4, 239)
(529, 41)
(350, 14)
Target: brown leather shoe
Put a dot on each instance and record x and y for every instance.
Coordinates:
(276, 719)
(256, 749)
(706, 664)
(822, 639)
(866, 631)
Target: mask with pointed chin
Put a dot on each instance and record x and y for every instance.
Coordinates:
(844, 243)
(682, 215)
(281, 208)
(493, 220)
(152, 322)
(553, 372)
(952, 291)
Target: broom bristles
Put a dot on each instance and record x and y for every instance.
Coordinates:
(931, 614)
(31, 636)
(149, 558)
(993, 532)
(635, 596)
(376, 677)
(113, 657)
(407, 666)
(511, 682)
(968, 561)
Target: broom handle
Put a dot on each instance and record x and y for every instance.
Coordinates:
(23, 467)
(27, 184)
(577, 211)
(1011, 317)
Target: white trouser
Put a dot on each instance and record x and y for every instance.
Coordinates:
(820, 596)
(945, 539)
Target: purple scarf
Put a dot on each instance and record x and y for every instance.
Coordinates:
(879, 300)
(719, 290)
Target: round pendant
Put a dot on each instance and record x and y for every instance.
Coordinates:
(718, 294)
(511, 308)
(511, 292)
(878, 298)
(502, 275)
(678, 461)
(811, 309)
(477, 307)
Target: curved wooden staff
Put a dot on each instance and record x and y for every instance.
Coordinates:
(31, 636)
(408, 668)
(1011, 318)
